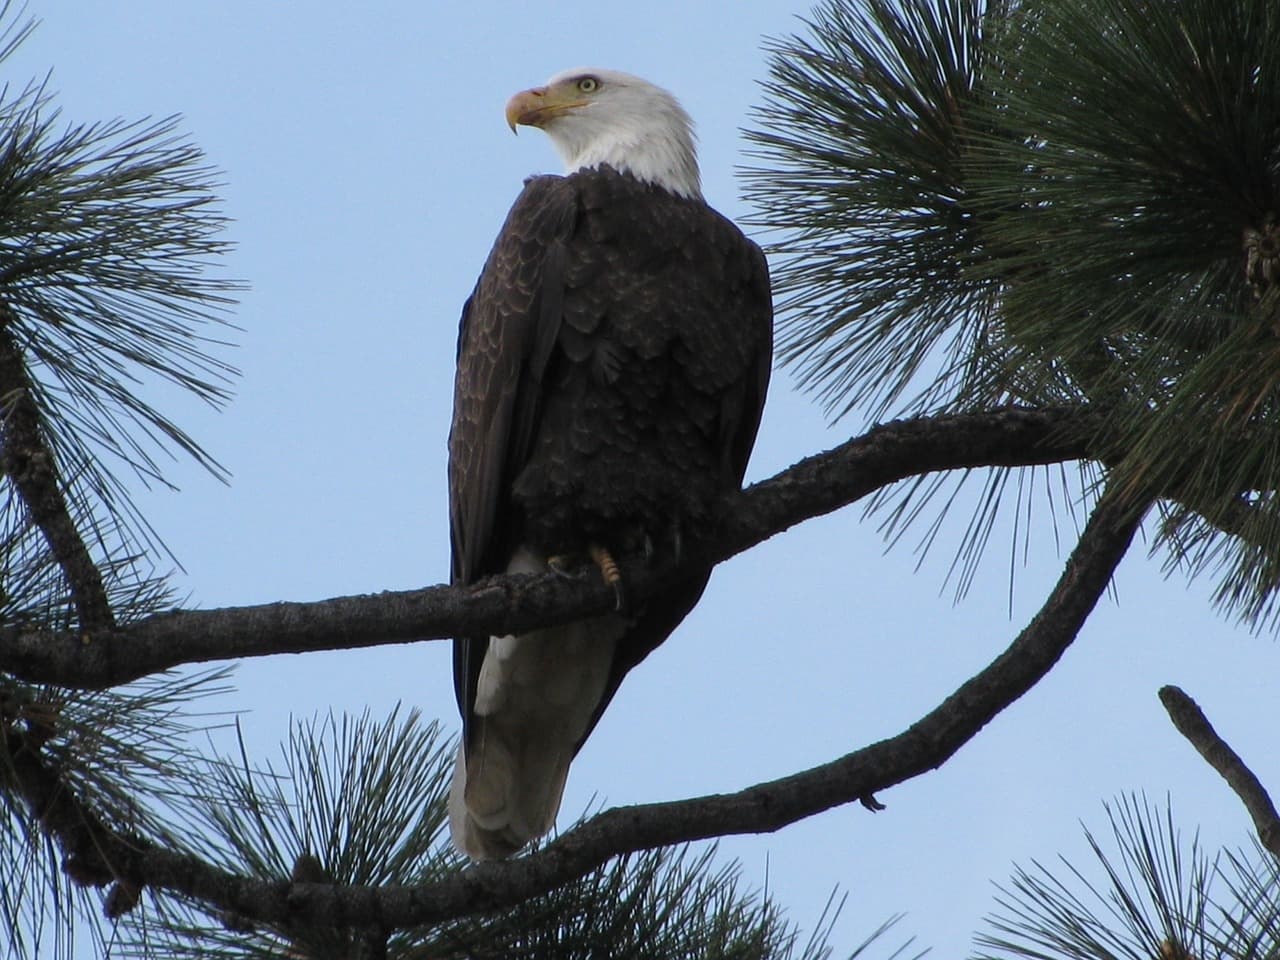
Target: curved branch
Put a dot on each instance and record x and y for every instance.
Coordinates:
(924, 746)
(817, 485)
(766, 807)
(1191, 722)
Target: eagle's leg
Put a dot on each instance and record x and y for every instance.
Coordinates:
(612, 575)
(567, 565)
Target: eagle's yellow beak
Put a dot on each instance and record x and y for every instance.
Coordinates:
(537, 106)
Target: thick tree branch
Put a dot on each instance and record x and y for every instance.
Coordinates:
(27, 460)
(925, 745)
(1191, 722)
(810, 488)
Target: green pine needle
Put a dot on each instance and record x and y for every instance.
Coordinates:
(1152, 894)
(128, 757)
(860, 141)
(1130, 150)
(1045, 202)
(110, 237)
(360, 801)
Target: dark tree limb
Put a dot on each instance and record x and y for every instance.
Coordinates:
(28, 461)
(817, 485)
(1191, 722)
(85, 841)
(766, 807)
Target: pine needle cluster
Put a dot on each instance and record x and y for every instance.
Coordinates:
(1152, 894)
(362, 801)
(128, 757)
(110, 235)
(1045, 202)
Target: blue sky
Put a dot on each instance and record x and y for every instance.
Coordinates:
(368, 169)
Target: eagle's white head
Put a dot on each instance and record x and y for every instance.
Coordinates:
(596, 116)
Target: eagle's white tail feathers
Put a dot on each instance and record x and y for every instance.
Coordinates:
(536, 695)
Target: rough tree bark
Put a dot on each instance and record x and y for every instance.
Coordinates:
(1190, 721)
(817, 485)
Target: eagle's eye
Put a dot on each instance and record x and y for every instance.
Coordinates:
(588, 84)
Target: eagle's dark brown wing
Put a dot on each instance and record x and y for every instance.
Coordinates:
(509, 325)
(508, 329)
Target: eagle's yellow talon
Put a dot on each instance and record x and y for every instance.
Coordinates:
(611, 574)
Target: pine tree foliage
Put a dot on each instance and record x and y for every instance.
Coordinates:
(362, 801)
(130, 758)
(862, 128)
(109, 238)
(1042, 202)
(355, 801)
(109, 235)
(1145, 172)
(1151, 894)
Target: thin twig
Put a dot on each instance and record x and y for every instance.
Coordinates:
(1191, 722)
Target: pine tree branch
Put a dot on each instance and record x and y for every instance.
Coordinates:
(815, 486)
(28, 461)
(94, 854)
(85, 841)
(766, 807)
(1191, 722)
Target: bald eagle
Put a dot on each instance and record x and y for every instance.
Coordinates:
(612, 366)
